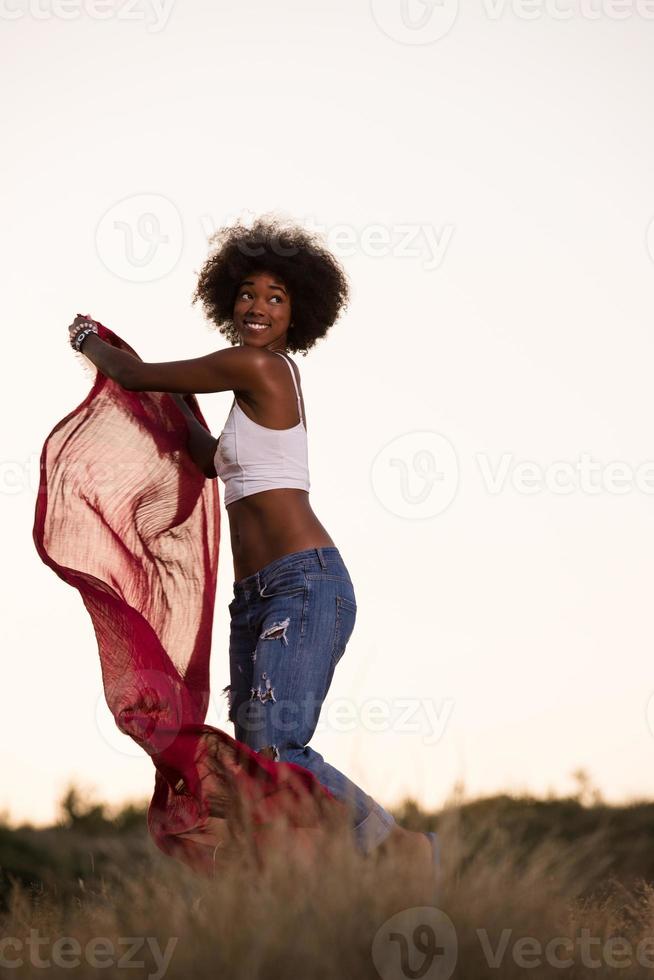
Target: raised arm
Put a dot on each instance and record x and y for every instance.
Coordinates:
(231, 369)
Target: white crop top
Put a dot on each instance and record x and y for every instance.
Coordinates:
(252, 457)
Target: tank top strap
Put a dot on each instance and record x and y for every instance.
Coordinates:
(297, 390)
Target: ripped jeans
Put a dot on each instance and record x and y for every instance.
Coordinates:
(290, 624)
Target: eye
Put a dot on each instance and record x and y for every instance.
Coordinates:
(246, 292)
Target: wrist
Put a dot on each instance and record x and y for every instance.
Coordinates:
(80, 340)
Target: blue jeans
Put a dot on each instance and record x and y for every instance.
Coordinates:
(290, 624)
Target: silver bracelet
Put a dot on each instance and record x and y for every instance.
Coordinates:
(79, 339)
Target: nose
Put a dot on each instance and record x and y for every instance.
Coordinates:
(255, 310)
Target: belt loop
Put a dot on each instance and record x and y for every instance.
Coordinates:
(321, 557)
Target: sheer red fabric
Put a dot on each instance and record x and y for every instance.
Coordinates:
(124, 516)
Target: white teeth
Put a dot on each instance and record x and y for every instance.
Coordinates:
(256, 326)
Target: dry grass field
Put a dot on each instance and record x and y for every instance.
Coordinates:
(529, 888)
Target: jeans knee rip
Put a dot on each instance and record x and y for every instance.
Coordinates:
(265, 694)
(277, 631)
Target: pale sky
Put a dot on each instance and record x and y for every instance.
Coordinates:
(479, 421)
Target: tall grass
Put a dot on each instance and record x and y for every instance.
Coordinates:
(516, 875)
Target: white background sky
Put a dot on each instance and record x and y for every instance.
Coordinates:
(523, 146)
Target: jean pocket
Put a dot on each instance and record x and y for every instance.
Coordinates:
(346, 614)
(285, 582)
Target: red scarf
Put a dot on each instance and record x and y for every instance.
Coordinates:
(125, 517)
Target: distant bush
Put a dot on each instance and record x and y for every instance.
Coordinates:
(79, 813)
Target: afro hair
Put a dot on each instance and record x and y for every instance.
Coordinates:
(317, 284)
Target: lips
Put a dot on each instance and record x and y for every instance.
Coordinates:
(254, 325)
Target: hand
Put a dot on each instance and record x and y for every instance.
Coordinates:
(78, 324)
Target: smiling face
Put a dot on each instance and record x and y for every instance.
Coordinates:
(262, 311)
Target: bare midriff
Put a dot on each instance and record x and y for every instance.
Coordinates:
(268, 525)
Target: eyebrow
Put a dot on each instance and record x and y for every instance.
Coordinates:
(250, 282)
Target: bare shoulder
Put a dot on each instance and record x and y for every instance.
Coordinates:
(239, 368)
(267, 372)
(281, 357)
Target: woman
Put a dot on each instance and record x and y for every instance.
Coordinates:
(271, 290)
